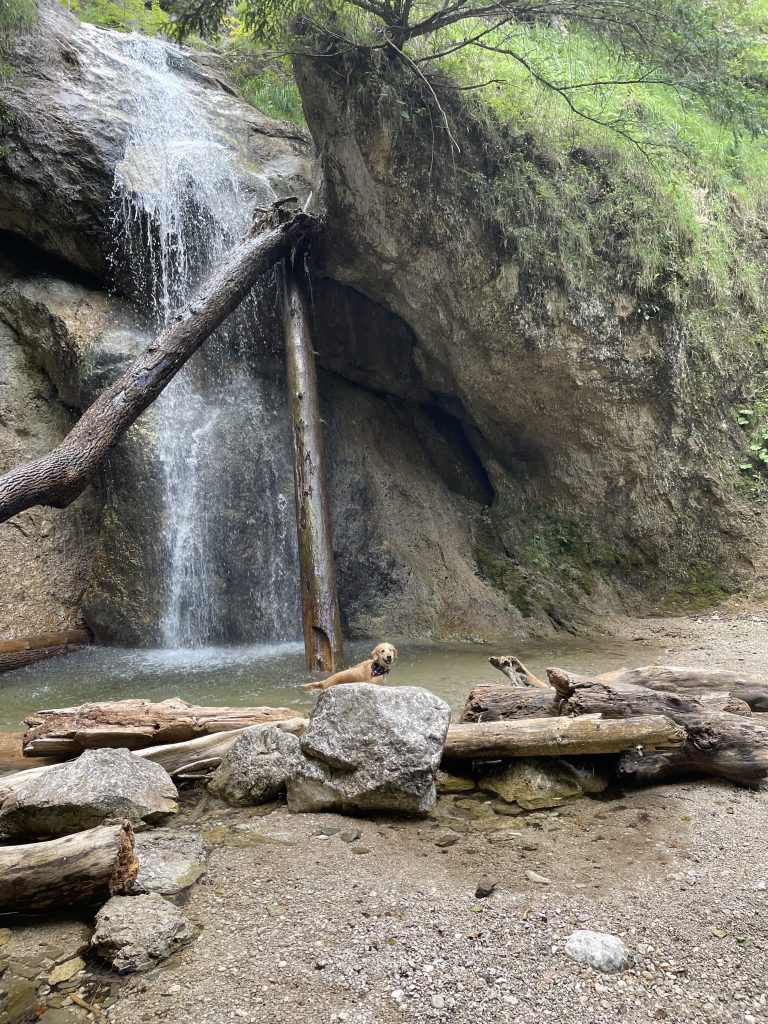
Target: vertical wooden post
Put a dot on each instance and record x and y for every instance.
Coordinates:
(319, 600)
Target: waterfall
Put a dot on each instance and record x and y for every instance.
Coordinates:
(181, 198)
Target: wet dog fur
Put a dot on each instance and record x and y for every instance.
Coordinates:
(374, 670)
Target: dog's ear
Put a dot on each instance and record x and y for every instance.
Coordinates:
(373, 653)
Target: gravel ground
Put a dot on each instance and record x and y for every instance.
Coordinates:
(298, 927)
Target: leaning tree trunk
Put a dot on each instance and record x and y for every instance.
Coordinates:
(59, 477)
(84, 868)
(319, 600)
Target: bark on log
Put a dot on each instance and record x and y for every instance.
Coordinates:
(557, 737)
(60, 476)
(319, 599)
(134, 724)
(719, 743)
(753, 690)
(29, 649)
(84, 868)
(516, 672)
(494, 702)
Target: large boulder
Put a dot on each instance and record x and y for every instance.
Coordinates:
(84, 792)
(170, 860)
(135, 932)
(257, 767)
(370, 748)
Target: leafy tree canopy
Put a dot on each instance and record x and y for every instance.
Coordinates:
(713, 51)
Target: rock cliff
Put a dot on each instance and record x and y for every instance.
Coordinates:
(508, 454)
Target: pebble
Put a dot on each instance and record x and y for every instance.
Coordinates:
(360, 849)
(438, 1002)
(533, 876)
(485, 886)
(449, 839)
(350, 835)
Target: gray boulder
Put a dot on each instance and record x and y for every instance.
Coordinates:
(82, 793)
(599, 950)
(256, 769)
(370, 748)
(170, 860)
(134, 932)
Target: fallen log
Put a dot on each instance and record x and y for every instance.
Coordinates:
(28, 649)
(556, 737)
(495, 702)
(57, 478)
(134, 724)
(84, 868)
(719, 743)
(753, 690)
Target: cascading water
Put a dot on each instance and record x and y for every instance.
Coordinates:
(181, 199)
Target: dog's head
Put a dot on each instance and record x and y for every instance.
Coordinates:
(384, 655)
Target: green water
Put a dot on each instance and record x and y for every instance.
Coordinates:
(271, 674)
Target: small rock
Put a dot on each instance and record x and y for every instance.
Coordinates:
(329, 830)
(350, 835)
(65, 971)
(533, 876)
(360, 849)
(533, 783)
(170, 860)
(446, 782)
(134, 932)
(485, 886)
(438, 1002)
(599, 950)
(449, 839)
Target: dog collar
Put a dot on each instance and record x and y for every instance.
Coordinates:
(378, 670)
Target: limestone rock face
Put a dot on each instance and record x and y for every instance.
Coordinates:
(84, 792)
(257, 767)
(370, 748)
(135, 932)
(170, 860)
(70, 106)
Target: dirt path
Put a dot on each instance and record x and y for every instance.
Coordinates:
(298, 927)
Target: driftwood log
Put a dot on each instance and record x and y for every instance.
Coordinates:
(319, 600)
(134, 724)
(28, 649)
(728, 744)
(556, 737)
(84, 868)
(60, 476)
(753, 690)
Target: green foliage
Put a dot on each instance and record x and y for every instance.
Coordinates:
(123, 15)
(752, 417)
(701, 587)
(15, 16)
(263, 80)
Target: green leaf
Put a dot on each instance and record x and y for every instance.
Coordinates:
(746, 465)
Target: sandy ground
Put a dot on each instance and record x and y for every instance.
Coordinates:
(298, 927)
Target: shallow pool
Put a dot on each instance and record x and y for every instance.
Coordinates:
(271, 674)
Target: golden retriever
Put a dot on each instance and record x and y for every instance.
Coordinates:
(374, 670)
